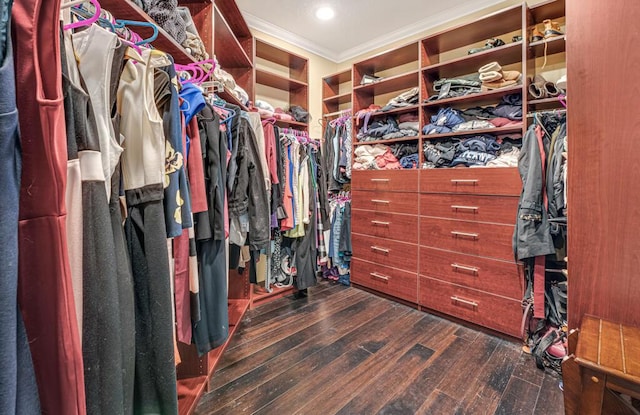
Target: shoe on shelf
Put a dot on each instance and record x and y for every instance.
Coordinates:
(370, 79)
(489, 44)
(551, 29)
(562, 83)
(541, 88)
(536, 35)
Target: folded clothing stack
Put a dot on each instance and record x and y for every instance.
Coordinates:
(406, 99)
(375, 157)
(407, 154)
(474, 151)
(455, 87)
(405, 125)
(229, 83)
(295, 113)
(507, 112)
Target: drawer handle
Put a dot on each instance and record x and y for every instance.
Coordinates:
(380, 180)
(456, 234)
(380, 202)
(456, 299)
(465, 181)
(379, 276)
(377, 222)
(377, 248)
(458, 207)
(474, 270)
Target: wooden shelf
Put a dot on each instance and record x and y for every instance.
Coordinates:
(554, 45)
(278, 81)
(338, 99)
(551, 9)
(338, 78)
(505, 55)
(297, 64)
(545, 104)
(491, 97)
(228, 96)
(334, 114)
(493, 131)
(189, 393)
(234, 18)
(191, 389)
(490, 26)
(395, 83)
(128, 10)
(389, 141)
(231, 53)
(285, 123)
(389, 59)
(259, 298)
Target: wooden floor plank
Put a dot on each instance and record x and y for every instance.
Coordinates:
(486, 390)
(389, 382)
(358, 380)
(267, 363)
(378, 329)
(439, 403)
(517, 398)
(550, 400)
(349, 351)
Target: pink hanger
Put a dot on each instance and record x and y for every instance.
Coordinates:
(87, 22)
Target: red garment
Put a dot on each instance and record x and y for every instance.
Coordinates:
(45, 292)
(271, 151)
(287, 223)
(195, 168)
(182, 292)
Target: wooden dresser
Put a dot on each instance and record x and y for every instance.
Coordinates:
(467, 268)
(385, 232)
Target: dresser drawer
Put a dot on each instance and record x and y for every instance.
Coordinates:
(494, 276)
(385, 201)
(391, 281)
(385, 180)
(395, 226)
(483, 181)
(474, 238)
(385, 252)
(496, 209)
(488, 310)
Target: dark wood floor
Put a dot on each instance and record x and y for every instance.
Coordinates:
(345, 351)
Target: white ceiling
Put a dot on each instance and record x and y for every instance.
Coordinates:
(359, 26)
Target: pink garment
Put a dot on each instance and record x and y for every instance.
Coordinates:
(287, 223)
(270, 151)
(195, 168)
(503, 122)
(182, 294)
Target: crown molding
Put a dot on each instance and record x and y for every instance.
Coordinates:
(434, 20)
(279, 33)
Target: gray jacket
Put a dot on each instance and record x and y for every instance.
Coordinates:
(531, 236)
(249, 194)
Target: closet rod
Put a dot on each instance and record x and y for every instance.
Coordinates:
(558, 111)
(72, 3)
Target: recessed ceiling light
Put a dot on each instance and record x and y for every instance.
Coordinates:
(325, 13)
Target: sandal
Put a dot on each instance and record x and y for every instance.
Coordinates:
(489, 44)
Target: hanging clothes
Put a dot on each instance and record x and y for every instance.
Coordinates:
(45, 288)
(19, 389)
(143, 172)
(101, 332)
